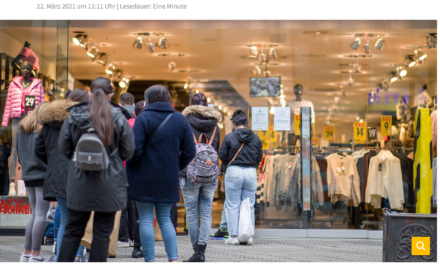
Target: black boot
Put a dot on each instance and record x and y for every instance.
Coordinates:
(137, 253)
(199, 254)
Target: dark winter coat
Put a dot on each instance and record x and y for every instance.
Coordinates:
(251, 153)
(204, 119)
(153, 172)
(52, 116)
(103, 191)
(32, 168)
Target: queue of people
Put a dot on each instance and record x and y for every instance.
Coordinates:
(143, 155)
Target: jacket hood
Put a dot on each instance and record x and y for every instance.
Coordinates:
(202, 118)
(49, 112)
(244, 135)
(130, 109)
(17, 80)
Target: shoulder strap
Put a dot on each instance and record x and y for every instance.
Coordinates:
(160, 126)
(213, 135)
(201, 136)
(236, 153)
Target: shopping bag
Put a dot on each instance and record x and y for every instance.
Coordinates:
(88, 235)
(245, 226)
(157, 231)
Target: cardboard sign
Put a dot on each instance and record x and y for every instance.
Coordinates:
(329, 133)
(29, 102)
(385, 125)
(297, 125)
(360, 132)
(281, 118)
(372, 133)
(315, 141)
(260, 118)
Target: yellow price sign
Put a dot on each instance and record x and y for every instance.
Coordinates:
(273, 134)
(360, 132)
(297, 125)
(329, 133)
(385, 122)
(265, 138)
(315, 141)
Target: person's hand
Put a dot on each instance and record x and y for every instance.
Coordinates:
(222, 187)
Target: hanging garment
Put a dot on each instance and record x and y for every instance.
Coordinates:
(434, 129)
(434, 181)
(322, 163)
(406, 165)
(283, 172)
(268, 175)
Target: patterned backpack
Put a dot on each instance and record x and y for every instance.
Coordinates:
(204, 167)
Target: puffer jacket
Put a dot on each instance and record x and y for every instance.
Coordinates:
(100, 191)
(15, 96)
(52, 116)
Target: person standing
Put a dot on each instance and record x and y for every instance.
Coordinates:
(52, 116)
(164, 146)
(104, 192)
(126, 100)
(33, 174)
(199, 197)
(242, 151)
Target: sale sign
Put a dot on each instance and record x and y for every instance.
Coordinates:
(386, 122)
(329, 133)
(360, 131)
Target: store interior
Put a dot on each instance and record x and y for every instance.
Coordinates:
(350, 71)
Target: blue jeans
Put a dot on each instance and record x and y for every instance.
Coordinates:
(198, 200)
(240, 183)
(56, 222)
(62, 204)
(146, 216)
(224, 223)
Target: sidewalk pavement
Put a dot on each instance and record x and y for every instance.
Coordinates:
(263, 250)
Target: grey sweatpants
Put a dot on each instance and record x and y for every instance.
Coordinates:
(37, 224)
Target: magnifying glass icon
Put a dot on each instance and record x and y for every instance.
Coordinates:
(422, 245)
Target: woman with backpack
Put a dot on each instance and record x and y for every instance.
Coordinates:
(52, 116)
(242, 151)
(33, 174)
(164, 146)
(199, 195)
(95, 186)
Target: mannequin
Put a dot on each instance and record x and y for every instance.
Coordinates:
(402, 109)
(423, 99)
(295, 106)
(21, 88)
(26, 54)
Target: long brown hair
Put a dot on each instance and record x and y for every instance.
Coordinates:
(29, 123)
(100, 109)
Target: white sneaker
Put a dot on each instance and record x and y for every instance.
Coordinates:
(232, 241)
(123, 244)
(250, 241)
(24, 258)
(131, 243)
(36, 259)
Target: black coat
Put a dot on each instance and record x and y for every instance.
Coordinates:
(153, 171)
(204, 119)
(251, 153)
(52, 116)
(104, 191)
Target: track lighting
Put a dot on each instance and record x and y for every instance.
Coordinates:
(350, 80)
(257, 70)
(137, 44)
(420, 62)
(151, 47)
(80, 40)
(420, 54)
(380, 43)
(385, 85)
(367, 47)
(431, 41)
(185, 86)
(171, 66)
(273, 53)
(393, 76)
(92, 52)
(110, 69)
(357, 68)
(163, 43)
(124, 83)
(101, 58)
(117, 75)
(355, 44)
(409, 61)
(253, 52)
(401, 71)
(262, 58)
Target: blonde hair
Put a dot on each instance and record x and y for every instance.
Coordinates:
(29, 123)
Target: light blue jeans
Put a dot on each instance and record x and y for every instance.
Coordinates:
(62, 204)
(198, 201)
(146, 229)
(224, 224)
(240, 183)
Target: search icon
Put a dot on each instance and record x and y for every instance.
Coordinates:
(422, 247)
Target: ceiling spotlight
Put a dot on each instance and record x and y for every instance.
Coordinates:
(431, 41)
(380, 43)
(209, 100)
(101, 58)
(262, 58)
(80, 40)
(220, 107)
(420, 54)
(385, 85)
(137, 44)
(171, 66)
(257, 70)
(185, 86)
(393, 76)
(357, 68)
(350, 80)
(410, 61)
(357, 118)
(420, 62)
(273, 53)
(151, 47)
(272, 110)
(225, 110)
(379, 86)
(163, 43)
(401, 71)
(253, 52)
(117, 75)
(110, 69)
(124, 83)
(355, 44)
(367, 47)
(92, 52)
